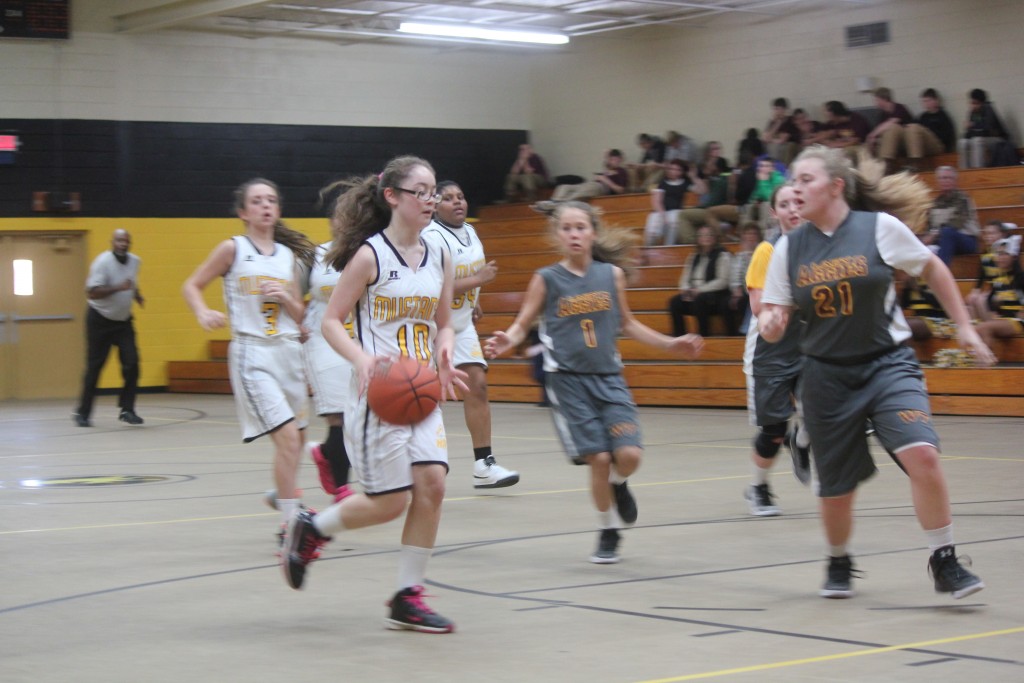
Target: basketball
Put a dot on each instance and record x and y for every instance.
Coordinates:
(404, 392)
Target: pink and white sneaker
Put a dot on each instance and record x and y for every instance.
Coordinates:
(323, 468)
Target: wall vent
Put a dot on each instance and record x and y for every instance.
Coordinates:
(863, 35)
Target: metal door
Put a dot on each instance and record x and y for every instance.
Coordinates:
(42, 326)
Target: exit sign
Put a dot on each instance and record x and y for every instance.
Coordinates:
(8, 148)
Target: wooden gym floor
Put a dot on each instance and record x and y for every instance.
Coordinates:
(149, 557)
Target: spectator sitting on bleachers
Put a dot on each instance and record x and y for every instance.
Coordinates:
(650, 169)
(843, 128)
(750, 146)
(527, 175)
(926, 317)
(1005, 315)
(808, 128)
(713, 163)
(931, 133)
(666, 202)
(954, 215)
(612, 180)
(758, 205)
(982, 131)
(703, 287)
(716, 206)
(977, 298)
(739, 301)
(887, 140)
(781, 136)
(678, 146)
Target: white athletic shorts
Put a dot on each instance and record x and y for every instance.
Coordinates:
(383, 454)
(269, 384)
(467, 348)
(329, 375)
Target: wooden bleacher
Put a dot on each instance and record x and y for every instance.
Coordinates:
(516, 237)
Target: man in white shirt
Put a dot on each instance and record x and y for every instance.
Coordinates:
(111, 288)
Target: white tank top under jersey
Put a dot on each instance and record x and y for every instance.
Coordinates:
(395, 314)
(467, 257)
(253, 315)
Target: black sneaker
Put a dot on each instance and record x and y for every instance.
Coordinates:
(130, 417)
(950, 576)
(759, 500)
(625, 503)
(81, 420)
(801, 459)
(607, 547)
(410, 613)
(840, 574)
(301, 545)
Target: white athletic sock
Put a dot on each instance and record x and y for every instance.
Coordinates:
(607, 519)
(328, 521)
(803, 439)
(412, 565)
(286, 506)
(616, 520)
(615, 478)
(937, 538)
(760, 475)
(837, 550)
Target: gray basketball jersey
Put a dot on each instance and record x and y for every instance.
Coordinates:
(844, 290)
(778, 359)
(580, 321)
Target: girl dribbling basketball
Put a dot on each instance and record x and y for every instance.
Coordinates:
(399, 288)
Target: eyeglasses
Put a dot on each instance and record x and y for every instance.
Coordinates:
(422, 195)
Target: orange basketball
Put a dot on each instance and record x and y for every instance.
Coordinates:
(404, 392)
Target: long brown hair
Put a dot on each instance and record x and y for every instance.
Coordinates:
(301, 246)
(904, 195)
(361, 211)
(611, 245)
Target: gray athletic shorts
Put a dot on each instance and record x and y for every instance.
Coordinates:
(838, 400)
(770, 398)
(592, 413)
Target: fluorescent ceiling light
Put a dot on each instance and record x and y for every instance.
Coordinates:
(451, 31)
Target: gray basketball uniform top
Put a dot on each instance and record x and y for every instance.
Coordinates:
(844, 290)
(782, 358)
(580, 321)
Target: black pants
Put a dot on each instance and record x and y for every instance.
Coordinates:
(101, 334)
(703, 306)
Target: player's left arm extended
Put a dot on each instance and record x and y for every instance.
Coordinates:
(689, 344)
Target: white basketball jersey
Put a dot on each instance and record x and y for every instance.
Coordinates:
(395, 314)
(319, 284)
(251, 313)
(467, 257)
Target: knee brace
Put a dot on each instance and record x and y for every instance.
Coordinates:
(769, 441)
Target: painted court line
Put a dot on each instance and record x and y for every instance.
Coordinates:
(835, 657)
